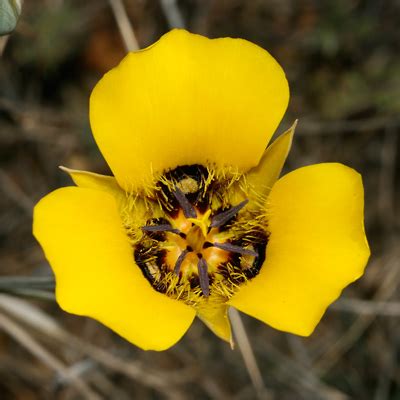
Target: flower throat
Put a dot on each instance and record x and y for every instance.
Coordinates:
(201, 239)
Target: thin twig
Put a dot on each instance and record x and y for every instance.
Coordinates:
(387, 181)
(346, 341)
(37, 287)
(36, 294)
(124, 25)
(247, 352)
(368, 307)
(27, 282)
(15, 193)
(314, 127)
(297, 375)
(46, 325)
(45, 356)
(172, 13)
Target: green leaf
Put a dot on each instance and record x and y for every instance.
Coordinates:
(9, 14)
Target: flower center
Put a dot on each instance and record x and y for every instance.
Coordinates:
(198, 242)
(195, 239)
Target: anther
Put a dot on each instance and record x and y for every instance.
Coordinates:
(235, 249)
(179, 261)
(223, 217)
(202, 268)
(188, 209)
(160, 228)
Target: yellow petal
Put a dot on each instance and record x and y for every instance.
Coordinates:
(186, 100)
(86, 179)
(261, 178)
(83, 239)
(316, 248)
(132, 207)
(105, 183)
(215, 317)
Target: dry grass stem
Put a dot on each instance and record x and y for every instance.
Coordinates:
(45, 356)
(124, 25)
(241, 338)
(172, 13)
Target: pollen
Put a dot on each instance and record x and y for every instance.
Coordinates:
(199, 240)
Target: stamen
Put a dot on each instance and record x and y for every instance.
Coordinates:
(160, 228)
(235, 249)
(220, 219)
(202, 268)
(179, 261)
(188, 209)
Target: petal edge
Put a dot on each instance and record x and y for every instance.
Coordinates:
(187, 100)
(317, 247)
(82, 235)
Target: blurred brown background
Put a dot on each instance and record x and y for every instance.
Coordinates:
(343, 64)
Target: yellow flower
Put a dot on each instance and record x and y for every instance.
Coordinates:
(195, 220)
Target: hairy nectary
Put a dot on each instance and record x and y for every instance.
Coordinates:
(200, 241)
